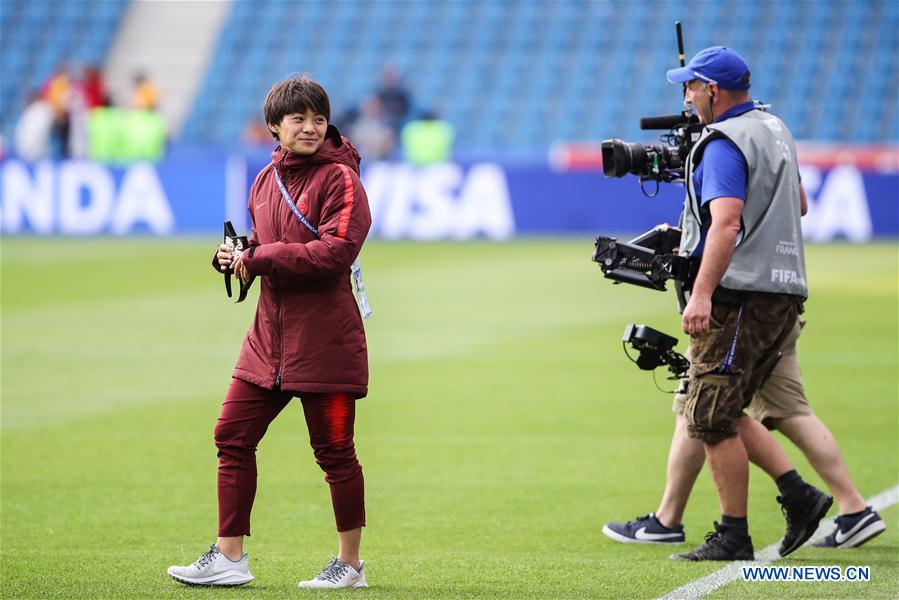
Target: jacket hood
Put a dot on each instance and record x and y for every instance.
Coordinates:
(335, 149)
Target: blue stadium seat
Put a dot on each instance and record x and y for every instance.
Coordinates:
(38, 37)
(497, 68)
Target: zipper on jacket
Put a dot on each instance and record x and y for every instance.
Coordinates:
(280, 356)
(280, 320)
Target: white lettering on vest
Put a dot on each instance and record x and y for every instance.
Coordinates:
(788, 248)
(786, 276)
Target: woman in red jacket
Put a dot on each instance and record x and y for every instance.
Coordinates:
(310, 217)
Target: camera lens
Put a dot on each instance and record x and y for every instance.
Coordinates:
(620, 158)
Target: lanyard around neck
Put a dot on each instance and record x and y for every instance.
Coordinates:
(355, 270)
(293, 207)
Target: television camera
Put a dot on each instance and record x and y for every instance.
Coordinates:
(651, 259)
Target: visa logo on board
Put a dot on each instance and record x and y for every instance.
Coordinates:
(441, 201)
(837, 205)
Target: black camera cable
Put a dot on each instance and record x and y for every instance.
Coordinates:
(655, 381)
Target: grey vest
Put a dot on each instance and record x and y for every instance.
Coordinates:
(769, 255)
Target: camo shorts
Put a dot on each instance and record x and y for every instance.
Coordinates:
(732, 359)
(781, 395)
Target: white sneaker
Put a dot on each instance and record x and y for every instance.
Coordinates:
(337, 574)
(214, 568)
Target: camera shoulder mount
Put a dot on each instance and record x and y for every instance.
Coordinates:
(648, 260)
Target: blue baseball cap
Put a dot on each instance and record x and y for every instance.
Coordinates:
(719, 65)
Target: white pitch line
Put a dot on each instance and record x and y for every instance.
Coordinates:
(708, 584)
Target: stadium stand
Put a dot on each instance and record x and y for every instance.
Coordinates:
(525, 74)
(38, 37)
(513, 76)
(171, 42)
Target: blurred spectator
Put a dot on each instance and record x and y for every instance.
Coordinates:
(395, 99)
(56, 89)
(78, 109)
(370, 133)
(71, 93)
(120, 135)
(55, 92)
(256, 133)
(145, 96)
(428, 140)
(94, 88)
(345, 119)
(34, 130)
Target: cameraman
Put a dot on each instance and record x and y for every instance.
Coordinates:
(779, 404)
(741, 219)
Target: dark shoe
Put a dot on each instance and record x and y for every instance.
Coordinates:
(852, 532)
(644, 530)
(721, 544)
(802, 513)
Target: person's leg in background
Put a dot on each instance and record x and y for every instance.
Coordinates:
(857, 523)
(814, 439)
(685, 460)
(781, 404)
(762, 449)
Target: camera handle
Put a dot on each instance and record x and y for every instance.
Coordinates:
(238, 244)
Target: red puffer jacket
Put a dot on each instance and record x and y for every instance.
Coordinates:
(307, 335)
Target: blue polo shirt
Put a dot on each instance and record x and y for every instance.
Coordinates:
(721, 172)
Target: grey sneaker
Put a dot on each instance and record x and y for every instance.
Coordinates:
(214, 569)
(337, 574)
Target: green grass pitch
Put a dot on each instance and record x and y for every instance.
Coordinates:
(504, 425)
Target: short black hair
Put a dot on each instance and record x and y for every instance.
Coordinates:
(296, 94)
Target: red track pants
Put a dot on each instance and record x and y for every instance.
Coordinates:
(246, 413)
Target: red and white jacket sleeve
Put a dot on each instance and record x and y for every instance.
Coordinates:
(344, 224)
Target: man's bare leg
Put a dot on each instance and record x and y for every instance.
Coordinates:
(729, 464)
(819, 446)
(685, 459)
(763, 449)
